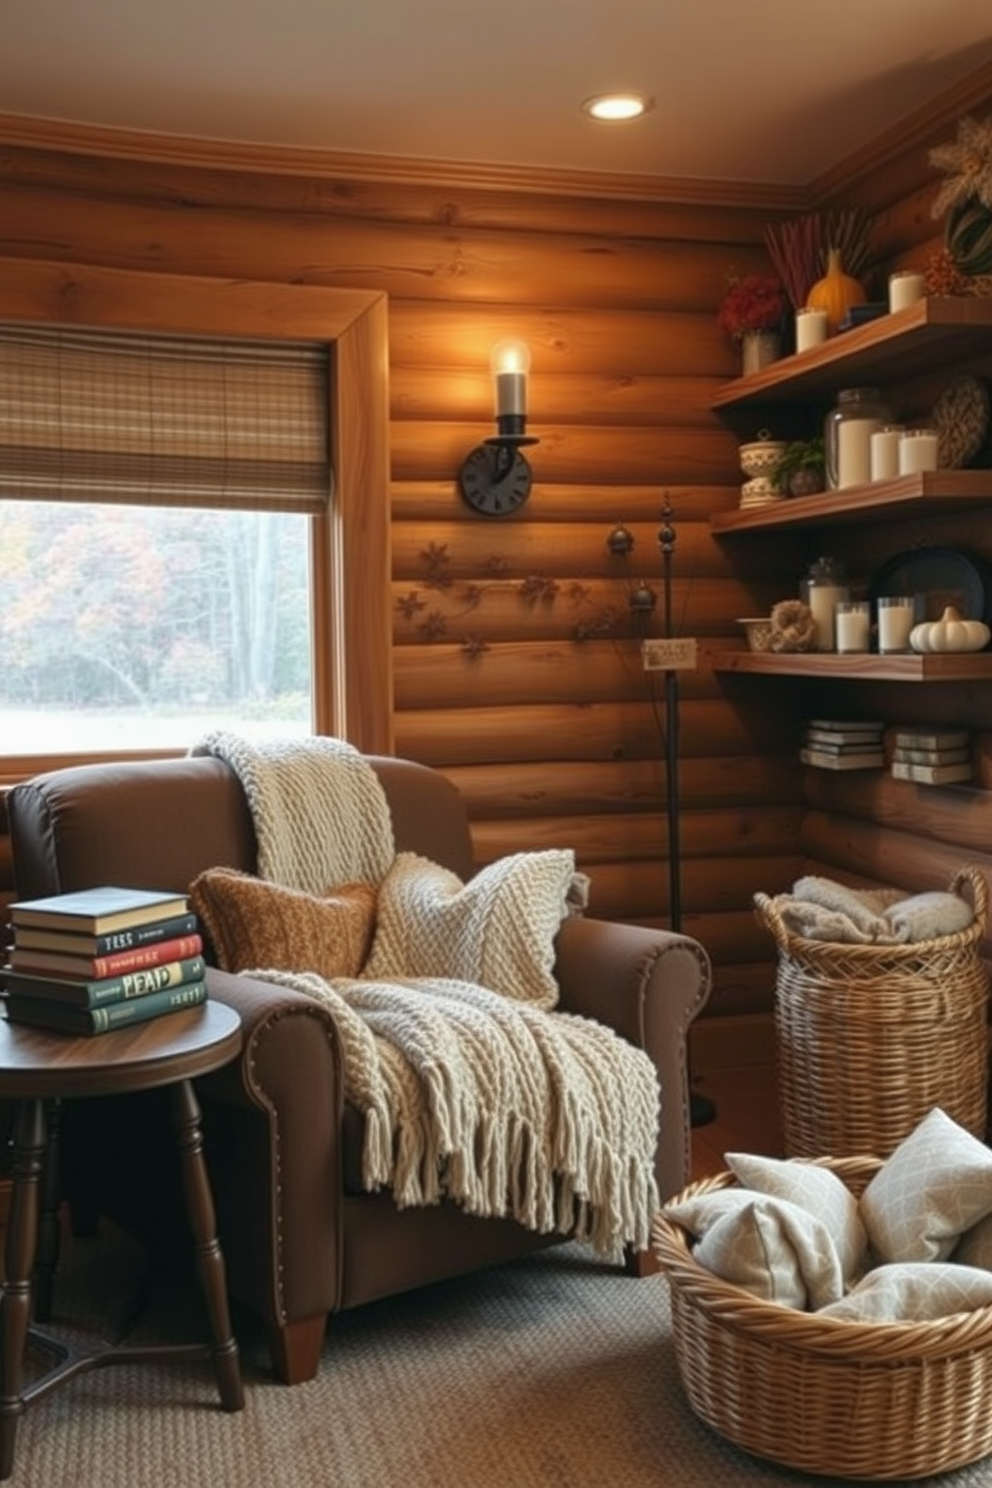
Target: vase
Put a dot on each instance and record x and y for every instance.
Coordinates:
(758, 349)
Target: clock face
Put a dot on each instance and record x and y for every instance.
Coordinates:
(488, 489)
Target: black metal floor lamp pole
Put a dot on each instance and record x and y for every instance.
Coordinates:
(702, 1109)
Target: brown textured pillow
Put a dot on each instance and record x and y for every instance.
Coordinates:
(256, 925)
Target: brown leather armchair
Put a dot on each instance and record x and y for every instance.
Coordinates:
(301, 1237)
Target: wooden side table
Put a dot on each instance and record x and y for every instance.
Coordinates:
(38, 1069)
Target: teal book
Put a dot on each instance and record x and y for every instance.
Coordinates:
(42, 1012)
(96, 993)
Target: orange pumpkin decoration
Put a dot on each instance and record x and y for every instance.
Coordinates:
(836, 292)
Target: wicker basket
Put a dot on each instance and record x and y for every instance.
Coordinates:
(871, 1037)
(845, 1399)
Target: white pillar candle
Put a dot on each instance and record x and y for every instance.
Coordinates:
(896, 618)
(852, 625)
(511, 392)
(917, 451)
(823, 600)
(885, 452)
(905, 288)
(811, 327)
(854, 450)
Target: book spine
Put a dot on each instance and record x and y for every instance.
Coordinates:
(931, 756)
(131, 986)
(932, 774)
(141, 957)
(170, 999)
(903, 739)
(867, 761)
(144, 935)
(41, 1012)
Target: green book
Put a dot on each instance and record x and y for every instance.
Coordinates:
(42, 1012)
(96, 993)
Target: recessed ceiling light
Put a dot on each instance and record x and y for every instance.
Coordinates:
(614, 107)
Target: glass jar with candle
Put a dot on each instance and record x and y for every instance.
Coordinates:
(885, 452)
(918, 451)
(822, 590)
(852, 625)
(896, 618)
(847, 435)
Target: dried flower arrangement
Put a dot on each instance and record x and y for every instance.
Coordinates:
(751, 302)
(964, 264)
(799, 248)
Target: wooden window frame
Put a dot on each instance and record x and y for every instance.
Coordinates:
(352, 666)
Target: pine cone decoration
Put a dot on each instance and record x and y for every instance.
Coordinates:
(942, 276)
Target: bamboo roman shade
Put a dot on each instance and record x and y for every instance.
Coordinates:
(163, 420)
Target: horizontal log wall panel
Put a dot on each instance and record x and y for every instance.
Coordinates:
(405, 260)
(296, 187)
(570, 731)
(444, 676)
(606, 343)
(536, 789)
(638, 891)
(523, 546)
(624, 399)
(885, 854)
(600, 454)
(601, 838)
(961, 818)
(432, 501)
(494, 609)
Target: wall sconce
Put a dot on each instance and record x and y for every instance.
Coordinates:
(496, 478)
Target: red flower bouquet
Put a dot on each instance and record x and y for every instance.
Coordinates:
(755, 302)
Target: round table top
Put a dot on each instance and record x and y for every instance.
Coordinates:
(35, 1064)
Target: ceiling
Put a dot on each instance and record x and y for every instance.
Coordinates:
(775, 91)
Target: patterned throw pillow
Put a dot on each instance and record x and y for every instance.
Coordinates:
(815, 1189)
(254, 925)
(916, 1292)
(772, 1247)
(497, 931)
(936, 1185)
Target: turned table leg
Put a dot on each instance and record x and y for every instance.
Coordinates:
(22, 1244)
(209, 1258)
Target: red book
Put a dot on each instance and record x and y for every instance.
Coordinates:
(91, 968)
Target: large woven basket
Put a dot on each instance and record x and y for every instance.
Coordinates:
(871, 1037)
(826, 1396)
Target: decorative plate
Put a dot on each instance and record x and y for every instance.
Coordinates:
(938, 577)
(961, 418)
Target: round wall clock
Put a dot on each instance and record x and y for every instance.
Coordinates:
(495, 480)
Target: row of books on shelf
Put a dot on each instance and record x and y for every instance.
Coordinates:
(929, 756)
(102, 958)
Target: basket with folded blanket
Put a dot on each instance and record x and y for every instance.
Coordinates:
(880, 1011)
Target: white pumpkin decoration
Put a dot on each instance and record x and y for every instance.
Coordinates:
(950, 633)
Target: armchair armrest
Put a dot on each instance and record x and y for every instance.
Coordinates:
(648, 985)
(277, 1174)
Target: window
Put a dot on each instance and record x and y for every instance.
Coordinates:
(347, 539)
(135, 626)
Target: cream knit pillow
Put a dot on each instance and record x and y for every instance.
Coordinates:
(816, 1189)
(497, 931)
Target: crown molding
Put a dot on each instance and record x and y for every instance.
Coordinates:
(911, 132)
(31, 132)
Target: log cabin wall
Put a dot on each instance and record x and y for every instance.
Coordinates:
(516, 651)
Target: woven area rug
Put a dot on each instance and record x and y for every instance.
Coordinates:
(556, 1372)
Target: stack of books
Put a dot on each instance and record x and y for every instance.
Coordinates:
(102, 958)
(835, 744)
(931, 756)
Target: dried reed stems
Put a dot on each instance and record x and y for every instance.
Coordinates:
(798, 248)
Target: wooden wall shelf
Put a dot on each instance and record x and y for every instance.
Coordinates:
(868, 667)
(932, 493)
(931, 333)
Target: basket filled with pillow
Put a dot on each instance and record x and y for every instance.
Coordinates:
(881, 1005)
(835, 1315)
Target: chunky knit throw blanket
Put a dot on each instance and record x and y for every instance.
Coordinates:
(500, 1105)
(321, 816)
